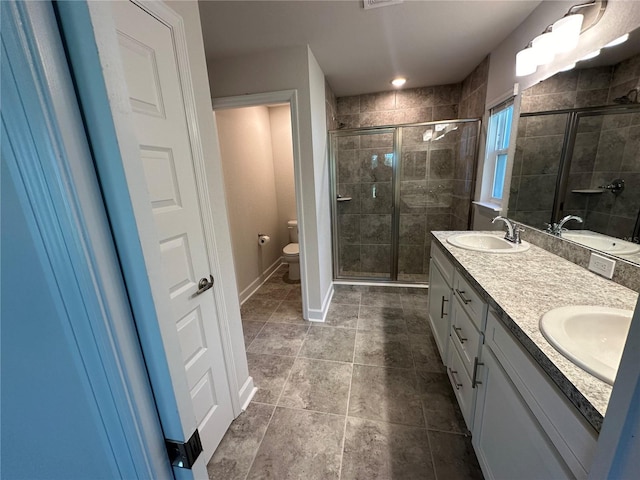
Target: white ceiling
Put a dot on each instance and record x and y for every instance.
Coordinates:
(360, 51)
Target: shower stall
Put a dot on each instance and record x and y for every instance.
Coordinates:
(392, 186)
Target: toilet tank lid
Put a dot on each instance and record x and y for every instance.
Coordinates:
(291, 249)
(292, 223)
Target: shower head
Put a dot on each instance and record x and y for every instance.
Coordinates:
(626, 99)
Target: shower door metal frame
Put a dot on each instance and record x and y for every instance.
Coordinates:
(396, 173)
(395, 194)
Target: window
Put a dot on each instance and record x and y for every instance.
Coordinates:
(495, 166)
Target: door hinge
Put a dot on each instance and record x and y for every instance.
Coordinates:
(184, 455)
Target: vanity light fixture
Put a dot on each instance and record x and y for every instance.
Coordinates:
(526, 62)
(398, 82)
(560, 37)
(568, 67)
(566, 32)
(591, 55)
(618, 41)
(544, 47)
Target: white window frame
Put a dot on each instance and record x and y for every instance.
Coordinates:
(492, 152)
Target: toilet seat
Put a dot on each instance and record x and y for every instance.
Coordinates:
(292, 249)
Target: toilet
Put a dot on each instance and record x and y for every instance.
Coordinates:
(291, 251)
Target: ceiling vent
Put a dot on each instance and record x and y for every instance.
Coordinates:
(379, 3)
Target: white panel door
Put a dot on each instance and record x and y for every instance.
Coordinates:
(151, 73)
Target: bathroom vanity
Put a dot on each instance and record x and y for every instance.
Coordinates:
(532, 412)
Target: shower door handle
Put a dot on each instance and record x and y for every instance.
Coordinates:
(343, 199)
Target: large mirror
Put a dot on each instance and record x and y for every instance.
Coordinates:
(578, 153)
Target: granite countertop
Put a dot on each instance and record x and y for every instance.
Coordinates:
(521, 287)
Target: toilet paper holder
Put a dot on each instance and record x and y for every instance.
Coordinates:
(263, 239)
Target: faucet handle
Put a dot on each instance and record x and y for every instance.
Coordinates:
(517, 229)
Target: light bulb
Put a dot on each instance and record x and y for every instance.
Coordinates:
(566, 32)
(543, 46)
(526, 62)
(591, 55)
(398, 82)
(618, 41)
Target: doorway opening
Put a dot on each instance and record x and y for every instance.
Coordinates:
(258, 151)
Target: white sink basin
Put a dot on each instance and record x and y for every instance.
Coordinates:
(602, 242)
(591, 337)
(486, 242)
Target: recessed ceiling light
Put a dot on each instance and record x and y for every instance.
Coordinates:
(618, 41)
(398, 82)
(591, 55)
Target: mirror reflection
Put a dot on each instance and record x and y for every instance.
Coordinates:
(576, 171)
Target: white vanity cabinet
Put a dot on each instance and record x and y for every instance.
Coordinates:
(523, 426)
(468, 318)
(441, 272)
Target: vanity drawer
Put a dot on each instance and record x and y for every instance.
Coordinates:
(462, 386)
(465, 336)
(471, 301)
(444, 264)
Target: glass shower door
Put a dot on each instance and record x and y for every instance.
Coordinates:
(364, 190)
(435, 173)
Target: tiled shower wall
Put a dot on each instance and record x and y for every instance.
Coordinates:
(607, 147)
(472, 105)
(474, 92)
(587, 87)
(427, 185)
(535, 168)
(412, 105)
(331, 106)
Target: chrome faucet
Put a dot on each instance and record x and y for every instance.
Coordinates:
(513, 230)
(556, 228)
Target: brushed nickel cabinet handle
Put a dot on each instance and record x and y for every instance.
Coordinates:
(462, 297)
(456, 383)
(442, 314)
(476, 364)
(457, 331)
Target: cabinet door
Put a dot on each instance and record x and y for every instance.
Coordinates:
(439, 309)
(507, 438)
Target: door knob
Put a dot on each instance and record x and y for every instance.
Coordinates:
(204, 284)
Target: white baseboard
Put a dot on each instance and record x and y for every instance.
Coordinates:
(321, 315)
(246, 393)
(258, 282)
(381, 284)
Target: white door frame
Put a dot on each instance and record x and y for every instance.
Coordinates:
(270, 98)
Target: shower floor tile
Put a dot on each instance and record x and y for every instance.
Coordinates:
(363, 395)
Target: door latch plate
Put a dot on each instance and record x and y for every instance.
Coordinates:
(182, 454)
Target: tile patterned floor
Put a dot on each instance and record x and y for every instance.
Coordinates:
(362, 396)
